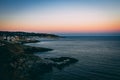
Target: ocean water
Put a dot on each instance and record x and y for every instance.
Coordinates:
(99, 57)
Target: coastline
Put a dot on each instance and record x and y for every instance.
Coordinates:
(20, 62)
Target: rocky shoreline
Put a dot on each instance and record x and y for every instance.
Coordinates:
(19, 63)
(29, 41)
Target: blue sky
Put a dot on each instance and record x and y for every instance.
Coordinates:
(60, 15)
(16, 5)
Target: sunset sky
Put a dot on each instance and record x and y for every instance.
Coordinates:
(60, 16)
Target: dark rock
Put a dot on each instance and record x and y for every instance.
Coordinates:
(17, 62)
(29, 41)
(62, 62)
(30, 49)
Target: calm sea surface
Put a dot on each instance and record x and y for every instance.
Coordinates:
(99, 57)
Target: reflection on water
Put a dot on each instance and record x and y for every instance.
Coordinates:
(99, 58)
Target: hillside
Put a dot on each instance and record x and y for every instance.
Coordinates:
(8, 33)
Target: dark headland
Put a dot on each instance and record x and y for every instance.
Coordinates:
(18, 62)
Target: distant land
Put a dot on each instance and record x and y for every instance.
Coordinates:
(18, 33)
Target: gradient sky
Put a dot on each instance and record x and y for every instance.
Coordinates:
(60, 16)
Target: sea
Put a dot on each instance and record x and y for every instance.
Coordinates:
(99, 57)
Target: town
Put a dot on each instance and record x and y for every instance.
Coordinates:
(23, 37)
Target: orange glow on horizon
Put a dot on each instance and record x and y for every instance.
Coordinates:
(72, 29)
(110, 26)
